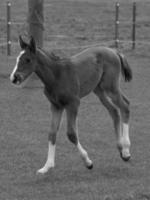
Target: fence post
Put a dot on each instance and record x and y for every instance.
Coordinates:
(134, 25)
(36, 20)
(8, 28)
(117, 26)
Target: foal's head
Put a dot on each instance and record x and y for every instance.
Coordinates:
(25, 62)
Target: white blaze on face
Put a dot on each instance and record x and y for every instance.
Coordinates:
(16, 66)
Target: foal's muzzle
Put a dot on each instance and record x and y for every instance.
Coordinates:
(16, 79)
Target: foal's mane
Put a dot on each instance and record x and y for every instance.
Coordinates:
(53, 61)
(51, 55)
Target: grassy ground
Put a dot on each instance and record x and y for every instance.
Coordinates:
(25, 115)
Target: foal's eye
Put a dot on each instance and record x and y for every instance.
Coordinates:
(28, 60)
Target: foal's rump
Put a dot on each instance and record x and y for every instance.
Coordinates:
(100, 65)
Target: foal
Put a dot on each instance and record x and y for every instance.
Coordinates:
(66, 81)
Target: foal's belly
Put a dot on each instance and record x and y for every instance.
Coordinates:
(88, 83)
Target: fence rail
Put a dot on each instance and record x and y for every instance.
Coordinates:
(116, 41)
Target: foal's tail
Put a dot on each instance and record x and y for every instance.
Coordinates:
(126, 69)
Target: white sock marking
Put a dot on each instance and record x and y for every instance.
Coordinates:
(125, 141)
(51, 155)
(50, 159)
(126, 133)
(84, 155)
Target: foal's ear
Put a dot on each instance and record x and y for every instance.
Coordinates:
(23, 44)
(32, 45)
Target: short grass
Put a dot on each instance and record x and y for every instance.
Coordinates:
(25, 115)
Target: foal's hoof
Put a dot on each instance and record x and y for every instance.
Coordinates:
(125, 158)
(90, 166)
(42, 171)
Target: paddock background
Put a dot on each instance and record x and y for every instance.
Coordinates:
(25, 117)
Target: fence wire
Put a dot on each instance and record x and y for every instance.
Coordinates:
(102, 41)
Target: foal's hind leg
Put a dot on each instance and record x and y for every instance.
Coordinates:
(125, 99)
(72, 111)
(113, 111)
(123, 104)
(55, 123)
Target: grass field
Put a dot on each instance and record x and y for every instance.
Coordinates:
(25, 115)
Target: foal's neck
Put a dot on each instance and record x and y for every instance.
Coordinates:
(44, 68)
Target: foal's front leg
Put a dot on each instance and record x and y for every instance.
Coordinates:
(55, 123)
(72, 111)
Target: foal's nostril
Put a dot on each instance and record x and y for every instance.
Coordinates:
(16, 79)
